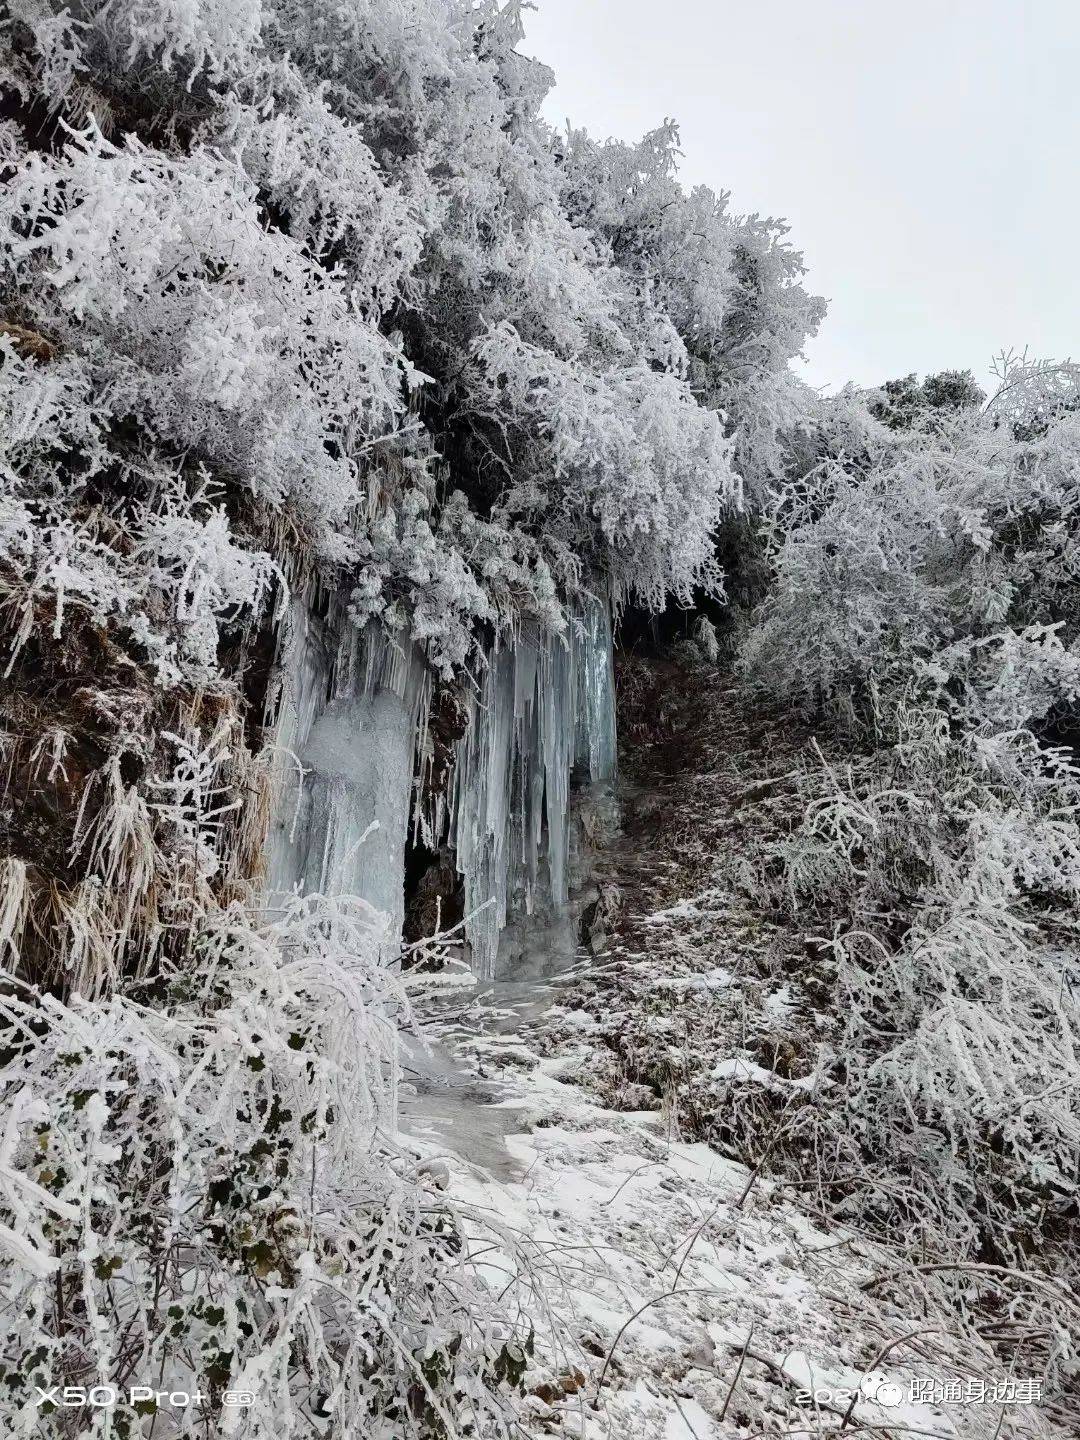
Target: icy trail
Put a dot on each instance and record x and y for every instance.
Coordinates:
(615, 1213)
(456, 1104)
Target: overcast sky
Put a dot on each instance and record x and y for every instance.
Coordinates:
(924, 152)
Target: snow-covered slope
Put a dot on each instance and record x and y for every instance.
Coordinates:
(675, 1294)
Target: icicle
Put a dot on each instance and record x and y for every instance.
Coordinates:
(348, 720)
(597, 744)
(546, 709)
(353, 715)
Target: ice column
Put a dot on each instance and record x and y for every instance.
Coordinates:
(545, 711)
(349, 712)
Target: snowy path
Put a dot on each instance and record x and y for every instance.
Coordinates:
(453, 1102)
(736, 1290)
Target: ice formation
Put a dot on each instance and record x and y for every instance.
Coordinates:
(544, 713)
(349, 710)
(351, 721)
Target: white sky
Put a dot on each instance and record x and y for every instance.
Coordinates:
(924, 152)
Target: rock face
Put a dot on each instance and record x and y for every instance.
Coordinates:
(435, 903)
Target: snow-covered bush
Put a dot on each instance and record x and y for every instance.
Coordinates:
(198, 1200)
(729, 284)
(908, 541)
(191, 320)
(657, 524)
(923, 606)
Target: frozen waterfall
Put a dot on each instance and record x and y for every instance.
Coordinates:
(545, 711)
(350, 706)
(351, 736)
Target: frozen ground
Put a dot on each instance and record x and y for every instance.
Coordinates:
(683, 1298)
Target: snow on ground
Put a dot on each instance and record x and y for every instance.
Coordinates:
(685, 1299)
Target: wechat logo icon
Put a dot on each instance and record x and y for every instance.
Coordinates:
(881, 1390)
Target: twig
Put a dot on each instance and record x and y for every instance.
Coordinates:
(667, 1295)
(738, 1372)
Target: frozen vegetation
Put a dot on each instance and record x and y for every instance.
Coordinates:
(371, 452)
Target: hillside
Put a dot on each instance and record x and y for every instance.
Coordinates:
(541, 855)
